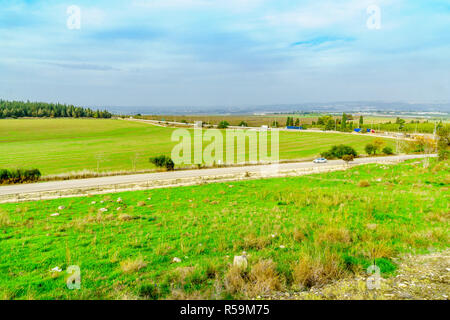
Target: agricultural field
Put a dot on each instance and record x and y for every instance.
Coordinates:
(235, 120)
(179, 243)
(60, 146)
(377, 122)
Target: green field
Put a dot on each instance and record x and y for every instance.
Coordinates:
(297, 232)
(58, 146)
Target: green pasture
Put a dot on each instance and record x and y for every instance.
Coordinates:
(296, 232)
(58, 146)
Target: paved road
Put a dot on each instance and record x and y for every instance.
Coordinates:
(142, 178)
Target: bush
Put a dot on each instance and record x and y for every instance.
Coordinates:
(163, 161)
(388, 150)
(243, 124)
(339, 151)
(347, 158)
(223, 125)
(370, 148)
(19, 176)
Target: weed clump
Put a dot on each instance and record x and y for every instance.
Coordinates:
(364, 184)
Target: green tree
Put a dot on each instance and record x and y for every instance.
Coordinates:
(370, 148)
(388, 150)
(344, 122)
(223, 124)
(443, 143)
(330, 125)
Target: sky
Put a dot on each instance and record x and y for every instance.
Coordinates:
(224, 52)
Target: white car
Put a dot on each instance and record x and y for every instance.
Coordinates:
(320, 160)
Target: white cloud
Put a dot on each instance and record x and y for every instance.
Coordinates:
(234, 5)
(322, 14)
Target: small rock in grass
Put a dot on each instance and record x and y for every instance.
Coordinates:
(54, 214)
(176, 260)
(103, 210)
(102, 201)
(56, 269)
(282, 247)
(93, 202)
(61, 208)
(240, 262)
(119, 200)
(273, 236)
(119, 208)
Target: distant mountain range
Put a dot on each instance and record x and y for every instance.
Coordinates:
(353, 106)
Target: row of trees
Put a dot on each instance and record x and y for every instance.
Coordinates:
(19, 176)
(291, 123)
(347, 123)
(20, 109)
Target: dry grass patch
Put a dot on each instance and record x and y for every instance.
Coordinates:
(252, 241)
(299, 235)
(261, 279)
(4, 219)
(363, 184)
(311, 271)
(125, 217)
(130, 266)
(378, 250)
(333, 235)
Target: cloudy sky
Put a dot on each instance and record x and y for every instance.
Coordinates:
(224, 52)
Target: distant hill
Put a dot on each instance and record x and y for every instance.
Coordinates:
(358, 106)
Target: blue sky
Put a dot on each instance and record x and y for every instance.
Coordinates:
(224, 53)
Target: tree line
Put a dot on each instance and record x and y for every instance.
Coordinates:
(19, 176)
(20, 109)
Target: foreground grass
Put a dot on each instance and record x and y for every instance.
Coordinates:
(57, 146)
(297, 232)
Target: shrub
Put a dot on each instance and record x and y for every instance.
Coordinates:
(163, 161)
(339, 151)
(223, 125)
(243, 124)
(347, 158)
(388, 150)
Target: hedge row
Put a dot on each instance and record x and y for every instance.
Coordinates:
(19, 175)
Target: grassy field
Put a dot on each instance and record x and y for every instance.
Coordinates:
(297, 232)
(58, 146)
